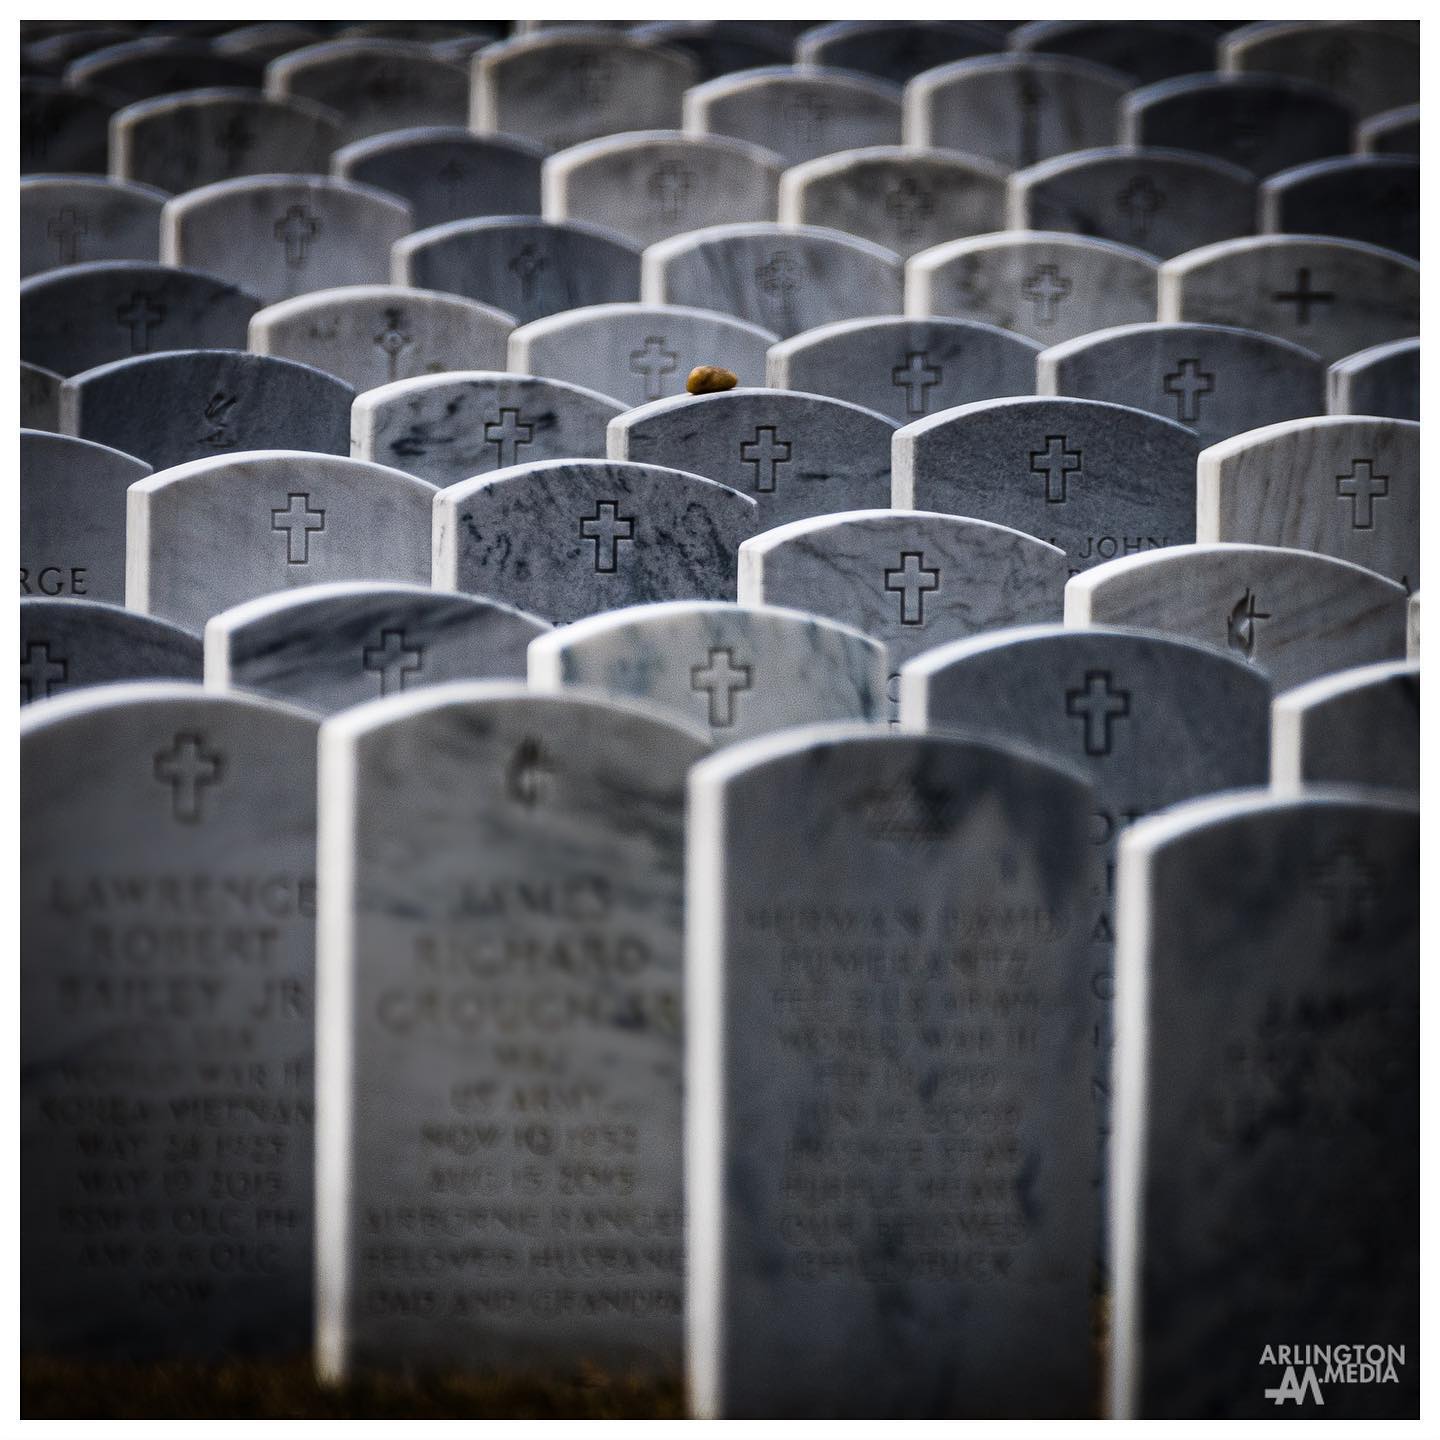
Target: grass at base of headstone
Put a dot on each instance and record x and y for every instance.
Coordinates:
(54, 1389)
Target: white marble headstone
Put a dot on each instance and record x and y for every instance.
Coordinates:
(74, 219)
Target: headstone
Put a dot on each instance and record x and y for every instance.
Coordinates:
(73, 219)
(39, 397)
(51, 55)
(72, 516)
(1120, 706)
(905, 368)
(1331, 296)
(1096, 479)
(910, 579)
(265, 40)
(562, 89)
(1358, 727)
(1161, 201)
(735, 671)
(1262, 122)
(166, 1020)
(1043, 285)
(796, 454)
(786, 278)
(892, 50)
(799, 113)
(369, 335)
(1267, 1086)
(1143, 50)
(1014, 109)
(1412, 627)
(501, 945)
(1372, 68)
(1292, 613)
(283, 235)
(1374, 198)
(178, 142)
(205, 536)
(902, 197)
(527, 268)
(66, 644)
(653, 184)
(1379, 380)
(80, 316)
(566, 538)
(718, 47)
(889, 1145)
(1391, 132)
(447, 428)
(1215, 379)
(328, 647)
(184, 405)
(160, 65)
(445, 173)
(64, 129)
(1340, 485)
(375, 85)
(638, 352)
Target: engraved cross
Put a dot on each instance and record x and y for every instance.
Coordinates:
(140, 314)
(392, 660)
(766, 452)
(40, 675)
(1047, 287)
(1099, 707)
(1303, 297)
(911, 580)
(1187, 384)
(65, 229)
(1362, 487)
(187, 767)
(296, 229)
(297, 520)
(508, 434)
(721, 679)
(1055, 463)
(916, 377)
(653, 362)
(607, 527)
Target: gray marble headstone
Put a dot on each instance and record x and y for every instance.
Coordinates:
(653, 184)
(205, 536)
(734, 670)
(1292, 613)
(64, 129)
(1161, 201)
(801, 113)
(1379, 380)
(327, 647)
(1262, 122)
(374, 85)
(1045, 285)
(562, 89)
(154, 65)
(892, 49)
(191, 404)
(910, 579)
(448, 428)
(72, 516)
(527, 268)
(369, 335)
(905, 368)
(283, 235)
(796, 454)
(902, 197)
(889, 1141)
(40, 397)
(638, 352)
(80, 316)
(1144, 50)
(180, 141)
(1331, 296)
(1096, 479)
(567, 538)
(1371, 67)
(500, 1035)
(66, 644)
(445, 173)
(1122, 707)
(1374, 198)
(167, 1025)
(1391, 132)
(265, 39)
(1014, 109)
(1357, 727)
(1266, 1177)
(718, 47)
(1341, 485)
(786, 278)
(1214, 379)
(73, 219)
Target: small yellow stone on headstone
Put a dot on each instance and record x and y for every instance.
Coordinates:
(708, 379)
